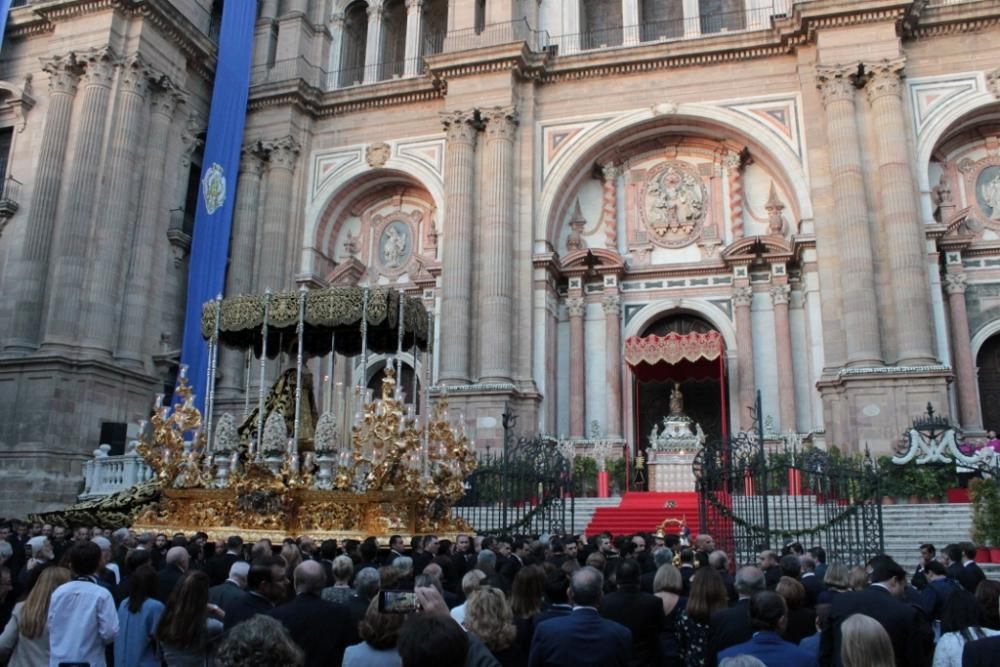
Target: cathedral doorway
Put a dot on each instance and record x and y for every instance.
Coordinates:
(988, 362)
(686, 350)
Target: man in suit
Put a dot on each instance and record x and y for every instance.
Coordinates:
(767, 561)
(641, 613)
(810, 581)
(232, 588)
(819, 555)
(518, 552)
(719, 561)
(981, 653)
(768, 616)
(219, 565)
(266, 587)
(396, 549)
(581, 638)
(175, 565)
(951, 557)
(321, 628)
(661, 556)
(556, 594)
(912, 639)
(730, 627)
(927, 552)
(686, 569)
(971, 574)
(939, 587)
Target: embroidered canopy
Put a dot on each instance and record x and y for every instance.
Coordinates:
(673, 348)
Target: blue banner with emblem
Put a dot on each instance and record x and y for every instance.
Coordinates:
(4, 10)
(217, 191)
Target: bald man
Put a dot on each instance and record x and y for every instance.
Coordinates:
(174, 567)
(321, 628)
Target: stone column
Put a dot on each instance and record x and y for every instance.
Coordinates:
(630, 22)
(692, 18)
(609, 205)
(734, 175)
(497, 246)
(456, 253)
(576, 307)
(783, 350)
(961, 348)
(239, 279)
(336, 26)
(742, 299)
(73, 222)
(135, 329)
(113, 232)
(857, 279)
(296, 7)
(268, 9)
(414, 20)
(272, 271)
(898, 215)
(373, 44)
(613, 363)
(32, 266)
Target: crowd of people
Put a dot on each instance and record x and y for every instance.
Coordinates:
(100, 597)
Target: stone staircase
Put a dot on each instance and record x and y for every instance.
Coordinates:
(585, 508)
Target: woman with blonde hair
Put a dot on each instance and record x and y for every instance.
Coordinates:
(290, 552)
(489, 617)
(25, 640)
(865, 643)
(379, 635)
(858, 578)
(834, 582)
(668, 585)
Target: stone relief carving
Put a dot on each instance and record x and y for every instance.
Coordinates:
(673, 203)
(377, 154)
(982, 180)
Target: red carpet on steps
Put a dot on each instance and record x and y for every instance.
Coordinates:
(645, 511)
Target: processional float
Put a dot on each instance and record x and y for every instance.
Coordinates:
(367, 466)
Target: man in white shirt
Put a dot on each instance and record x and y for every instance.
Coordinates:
(82, 616)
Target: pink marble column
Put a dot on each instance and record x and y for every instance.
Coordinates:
(577, 382)
(613, 363)
(783, 348)
(742, 298)
(906, 243)
(857, 277)
(961, 351)
(609, 205)
(734, 174)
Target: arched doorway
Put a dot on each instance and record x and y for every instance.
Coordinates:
(695, 362)
(988, 362)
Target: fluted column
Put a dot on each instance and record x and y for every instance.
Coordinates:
(33, 265)
(630, 22)
(136, 327)
(76, 209)
(609, 205)
(105, 289)
(239, 279)
(898, 215)
(613, 363)
(742, 299)
(576, 307)
(456, 272)
(414, 19)
(336, 26)
(783, 349)
(272, 271)
(961, 351)
(373, 44)
(857, 278)
(497, 285)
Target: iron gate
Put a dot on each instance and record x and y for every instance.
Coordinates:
(754, 497)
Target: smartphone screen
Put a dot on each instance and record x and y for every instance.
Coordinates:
(397, 602)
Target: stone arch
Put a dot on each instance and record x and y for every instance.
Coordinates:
(572, 168)
(377, 362)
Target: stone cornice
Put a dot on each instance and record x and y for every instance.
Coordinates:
(319, 104)
(514, 56)
(947, 19)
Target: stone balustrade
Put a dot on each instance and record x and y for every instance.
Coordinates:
(104, 474)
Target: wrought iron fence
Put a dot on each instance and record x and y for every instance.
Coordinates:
(753, 498)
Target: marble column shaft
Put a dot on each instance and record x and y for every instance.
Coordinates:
(857, 277)
(272, 271)
(135, 330)
(613, 363)
(456, 251)
(906, 244)
(609, 205)
(112, 234)
(373, 42)
(631, 20)
(239, 279)
(77, 203)
(33, 265)
(965, 369)
(742, 299)
(497, 245)
(783, 350)
(576, 307)
(414, 19)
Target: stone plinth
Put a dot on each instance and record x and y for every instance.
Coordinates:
(671, 471)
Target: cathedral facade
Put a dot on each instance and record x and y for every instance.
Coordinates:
(814, 186)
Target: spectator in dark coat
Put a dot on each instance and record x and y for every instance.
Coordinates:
(175, 565)
(732, 626)
(641, 613)
(267, 585)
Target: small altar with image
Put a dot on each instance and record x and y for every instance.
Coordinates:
(672, 448)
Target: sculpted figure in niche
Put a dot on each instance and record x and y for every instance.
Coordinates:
(941, 196)
(991, 195)
(676, 201)
(393, 246)
(776, 222)
(676, 400)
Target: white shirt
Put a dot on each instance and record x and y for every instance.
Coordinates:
(82, 619)
(948, 652)
(458, 613)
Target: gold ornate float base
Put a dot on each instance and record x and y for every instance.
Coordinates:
(318, 514)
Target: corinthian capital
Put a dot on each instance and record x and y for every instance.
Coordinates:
(954, 283)
(283, 153)
(836, 83)
(99, 66)
(576, 306)
(610, 172)
(742, 296)
(501, 122)
(64, 73)
(135, 75)
(612, 304)
(165, 98)
(779, 294)
(884, 78)
(252, 158)
(460, 126)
